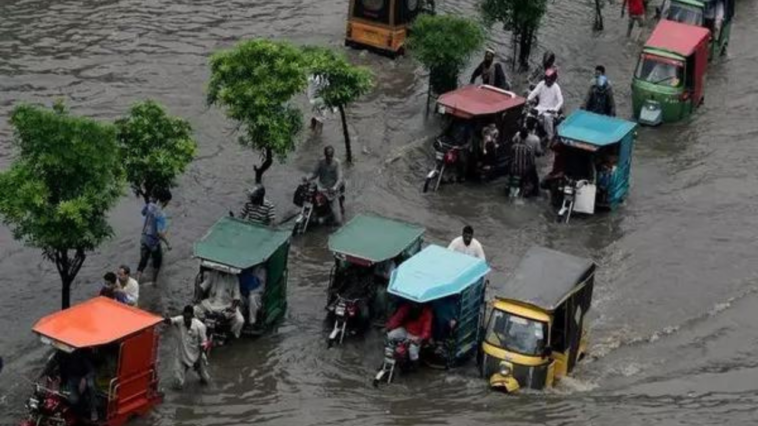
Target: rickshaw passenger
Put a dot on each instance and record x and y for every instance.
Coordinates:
(252, 287)
(192, 342)
(412, 322)
(78, 377)
(490, 144)
(223, 298)
(445, 312)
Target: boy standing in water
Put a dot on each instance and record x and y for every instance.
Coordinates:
(153, 232)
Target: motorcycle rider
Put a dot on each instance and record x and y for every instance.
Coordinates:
(330, 180)
(258, 209)
(223, 298)
(491, 72)
(600, 96)
(550, 101)
(412, 322)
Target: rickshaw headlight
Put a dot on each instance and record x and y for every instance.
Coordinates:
(505, 369)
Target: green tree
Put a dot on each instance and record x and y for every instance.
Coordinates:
(521, 17)
(155, 147)
(254, 82)
(344, 83)
(57, 193)
(444, 45)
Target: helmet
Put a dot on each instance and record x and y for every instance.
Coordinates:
(257, 192)
(551, 72)
(548, 59)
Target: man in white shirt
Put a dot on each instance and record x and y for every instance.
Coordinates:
(224, 297)
(191, 347)
(127, 286)
(467, 244)
(550, 101)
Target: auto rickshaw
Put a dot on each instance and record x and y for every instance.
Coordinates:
(692, 12)
(452, 286)
(592, 163)
(467, 111)
(383, 25)
(536, 330)
(256, 256)
(119, 342)
(668, 84)
(366, 251)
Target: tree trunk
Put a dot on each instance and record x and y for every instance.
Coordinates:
(67, 269)
(268, 159)
(346, 134)
(525, 46)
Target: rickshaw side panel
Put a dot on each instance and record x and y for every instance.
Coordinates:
(135, 390)
(469, 320)
(275, 295)
(701, 65)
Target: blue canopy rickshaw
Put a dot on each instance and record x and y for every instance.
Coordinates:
(595, 155)
(453, 285)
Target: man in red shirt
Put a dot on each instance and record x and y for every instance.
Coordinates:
(636, 13)
(412, 322)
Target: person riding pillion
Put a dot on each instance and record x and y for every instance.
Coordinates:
(258, 209)
(224, 298)
(328, 171)
(548, 62)
(411, 322)
(193, 342)
(550, 101)
(491, 72)
(600, 96)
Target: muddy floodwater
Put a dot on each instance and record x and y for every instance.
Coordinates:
(674, 324)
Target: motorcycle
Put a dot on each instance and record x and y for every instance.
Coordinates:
(396, 356)
(311, 199)
(532, 114)
(568, 189)
(346, 312)
(48, 407)
(446, 156)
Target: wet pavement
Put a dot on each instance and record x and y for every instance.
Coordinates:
(673, 321)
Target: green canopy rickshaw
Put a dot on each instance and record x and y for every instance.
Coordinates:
(256, 256)
(366, 251)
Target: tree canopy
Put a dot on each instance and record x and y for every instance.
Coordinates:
(58, 191)
(521, 17)
(443, 44)
(343, 82)
(155, 148)
(254, 83)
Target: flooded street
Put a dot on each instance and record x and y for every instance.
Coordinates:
(674, 325)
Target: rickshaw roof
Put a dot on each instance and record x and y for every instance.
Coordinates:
(96, 322)
(474, 100)
(436, 272)
(545, 277)
(676, 37)
(240, 244)
(594, 129)
(374, 238)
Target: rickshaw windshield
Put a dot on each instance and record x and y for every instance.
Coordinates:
(686, 14)
(373, 10)
(659, 70)
(516, 334)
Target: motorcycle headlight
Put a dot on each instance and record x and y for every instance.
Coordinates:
(33, 403)
(505, 369)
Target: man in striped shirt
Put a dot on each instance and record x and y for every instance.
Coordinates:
(523, 162)
(258, 208)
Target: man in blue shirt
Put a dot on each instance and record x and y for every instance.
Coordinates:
(154, 232)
